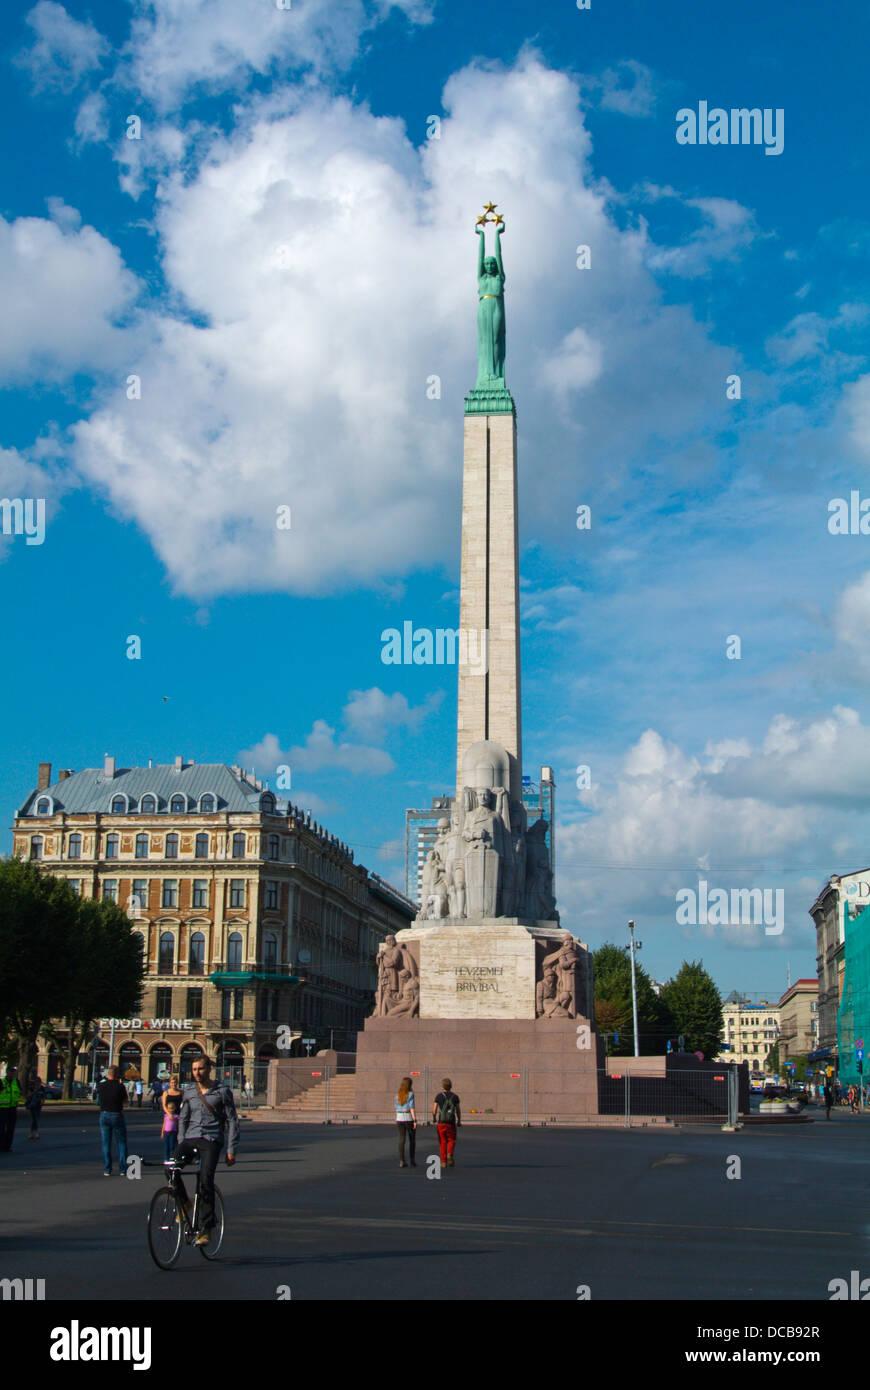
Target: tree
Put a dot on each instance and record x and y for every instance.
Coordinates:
(106, 978)
(696, 1008)
(37, 920)
(613, 1011)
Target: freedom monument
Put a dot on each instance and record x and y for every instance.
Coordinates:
(485, 986)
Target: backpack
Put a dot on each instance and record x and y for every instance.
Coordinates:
(447, 1110)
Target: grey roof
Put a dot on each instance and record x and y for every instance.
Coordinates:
(90, 790)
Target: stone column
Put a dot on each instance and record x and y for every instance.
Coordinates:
(489, 700)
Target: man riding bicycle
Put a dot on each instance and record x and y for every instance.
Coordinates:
(208, 1121)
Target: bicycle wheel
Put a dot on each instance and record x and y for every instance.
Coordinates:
(165, 1220)
(213, 1249)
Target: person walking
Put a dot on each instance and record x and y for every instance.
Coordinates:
(140, 1087)
(34, 1104)
(829, 1099)
(10, 1095)
(448, 1117)
(406, 1121)
(113, 1094)
(155, 1090)
(208, 1122)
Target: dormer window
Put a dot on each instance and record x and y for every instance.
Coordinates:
(119, 805)
(267, 804)
(207, 804)
(148, 805)
(178, 805)
(43, 806)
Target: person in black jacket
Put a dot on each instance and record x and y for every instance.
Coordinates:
(112, 1097)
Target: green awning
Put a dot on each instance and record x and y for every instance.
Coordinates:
(239, 979)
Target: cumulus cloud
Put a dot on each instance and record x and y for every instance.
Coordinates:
(63, 49)
(178, 48)
(628, 88)
(327, 269)
(319, 752)
(724, 229)
(64, 289)
(372, 713)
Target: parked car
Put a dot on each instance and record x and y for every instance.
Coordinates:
(54, 1090)
(772, 1092)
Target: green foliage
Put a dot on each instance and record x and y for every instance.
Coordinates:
(613, 1013)
(696, 1008)
(61, 957)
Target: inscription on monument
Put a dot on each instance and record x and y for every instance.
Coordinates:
(480, 983)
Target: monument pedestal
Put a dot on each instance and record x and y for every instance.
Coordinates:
(505, 1070)
(479, 993)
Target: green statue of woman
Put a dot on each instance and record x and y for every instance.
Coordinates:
(490, 312)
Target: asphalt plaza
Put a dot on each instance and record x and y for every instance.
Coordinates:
(325, 1213)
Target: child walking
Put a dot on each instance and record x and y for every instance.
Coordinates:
(169, 1131)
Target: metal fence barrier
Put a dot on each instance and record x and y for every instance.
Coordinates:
(531, 1096)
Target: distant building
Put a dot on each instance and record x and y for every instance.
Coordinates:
(843, 896)
(749, 1031)
(539, 799)
(250, 915)
(421, 827)
(799, 1021)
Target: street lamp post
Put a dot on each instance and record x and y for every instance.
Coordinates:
(635, 946)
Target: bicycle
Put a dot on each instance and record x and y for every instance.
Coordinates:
(169, 1225)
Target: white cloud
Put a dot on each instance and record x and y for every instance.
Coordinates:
(725, 229)
(180, 47)
(627, 88)
(330, 266)
(319, 752)
(63, 50)
(372, 713)
(63, 288)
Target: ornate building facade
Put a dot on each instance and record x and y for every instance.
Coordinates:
(256, 924)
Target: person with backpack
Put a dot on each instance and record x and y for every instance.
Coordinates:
(829, 1099)
(406, 1121)
(448, 1117)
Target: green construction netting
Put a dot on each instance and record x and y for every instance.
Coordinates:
(853, 1015)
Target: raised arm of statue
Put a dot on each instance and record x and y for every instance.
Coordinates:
(499, 228)
(481, 250)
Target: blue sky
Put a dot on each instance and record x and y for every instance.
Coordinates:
(284, 257)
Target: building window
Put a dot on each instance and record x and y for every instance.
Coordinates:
(140, 892)
(142, 846)
(271, 899)
(163, 1006)
(148, 805)
(110, 890)
(273, 846)
(167, 953)
(202, 845)
(170, 892)
(197, 954)
(237, 892)
(238, 1003)
(171, 851)
(112, 842)
(139, 938)
(270, 951)
(239, 846)
(74, 848)
(177, 805)
(200, 892)
(206, 805)
(234, 951)
(43, 806)
(119, 805)
(194, 1003)
(76, 885)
